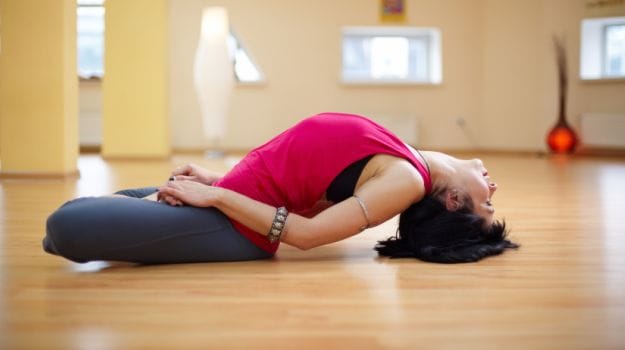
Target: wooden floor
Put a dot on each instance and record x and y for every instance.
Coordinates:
(564, 289)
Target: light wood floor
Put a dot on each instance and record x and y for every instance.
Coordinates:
(564, 289)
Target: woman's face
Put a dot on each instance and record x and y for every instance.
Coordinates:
(480, 188)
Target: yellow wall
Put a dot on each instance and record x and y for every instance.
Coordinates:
(38, 87)
(135, 100)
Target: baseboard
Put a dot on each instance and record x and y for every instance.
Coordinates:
(90, 149)
(36, 175)
(491, 152)
(202, 151)
(136, 158)
(601, 152)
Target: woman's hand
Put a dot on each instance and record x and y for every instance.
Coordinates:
(195, 173)
(188, 172)
(189, 192)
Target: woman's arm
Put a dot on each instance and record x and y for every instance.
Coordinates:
(385, 195)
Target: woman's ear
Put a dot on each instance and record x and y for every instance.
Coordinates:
(453, 200)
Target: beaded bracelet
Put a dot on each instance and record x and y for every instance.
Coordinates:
(277, 225)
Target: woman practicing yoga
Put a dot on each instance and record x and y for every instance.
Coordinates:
(325, 179)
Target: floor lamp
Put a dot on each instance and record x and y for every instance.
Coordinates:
(213, 75)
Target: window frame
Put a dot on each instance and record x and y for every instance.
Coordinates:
(432, 36)
(236, 44)
(593, 49)
(604, 51)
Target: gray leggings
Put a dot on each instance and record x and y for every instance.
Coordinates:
(141, 231)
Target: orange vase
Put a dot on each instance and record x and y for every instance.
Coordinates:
(562, 138)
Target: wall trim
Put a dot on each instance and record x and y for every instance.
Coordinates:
(37, 175)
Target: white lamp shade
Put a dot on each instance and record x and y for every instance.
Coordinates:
(215, 23)
(213, 72)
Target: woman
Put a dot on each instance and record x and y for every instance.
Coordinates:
(325, 179)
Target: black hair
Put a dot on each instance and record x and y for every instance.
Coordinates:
(429, 232)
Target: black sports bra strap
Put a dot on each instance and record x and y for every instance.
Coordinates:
(343, 185)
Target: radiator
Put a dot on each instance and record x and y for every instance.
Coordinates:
(602, 130)
(404, 126)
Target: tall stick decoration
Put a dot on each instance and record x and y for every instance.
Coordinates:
(561, 138)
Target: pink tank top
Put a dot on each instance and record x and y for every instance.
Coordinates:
(295, 168)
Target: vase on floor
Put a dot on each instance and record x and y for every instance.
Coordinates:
(561, 138)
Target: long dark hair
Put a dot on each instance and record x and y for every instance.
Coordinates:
(429, 232)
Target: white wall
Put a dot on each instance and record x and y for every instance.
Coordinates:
(499, 70)
(297, 44)
(512, 82)
(90, 113)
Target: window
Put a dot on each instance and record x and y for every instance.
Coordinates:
(245, 68)
(603, 48)
(90, 36)
(391, 55)
(614, 51)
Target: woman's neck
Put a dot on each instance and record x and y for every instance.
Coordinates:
(442, 169)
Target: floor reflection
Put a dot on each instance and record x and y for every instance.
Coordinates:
(612, 203)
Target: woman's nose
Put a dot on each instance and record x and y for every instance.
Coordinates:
(492, 187)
